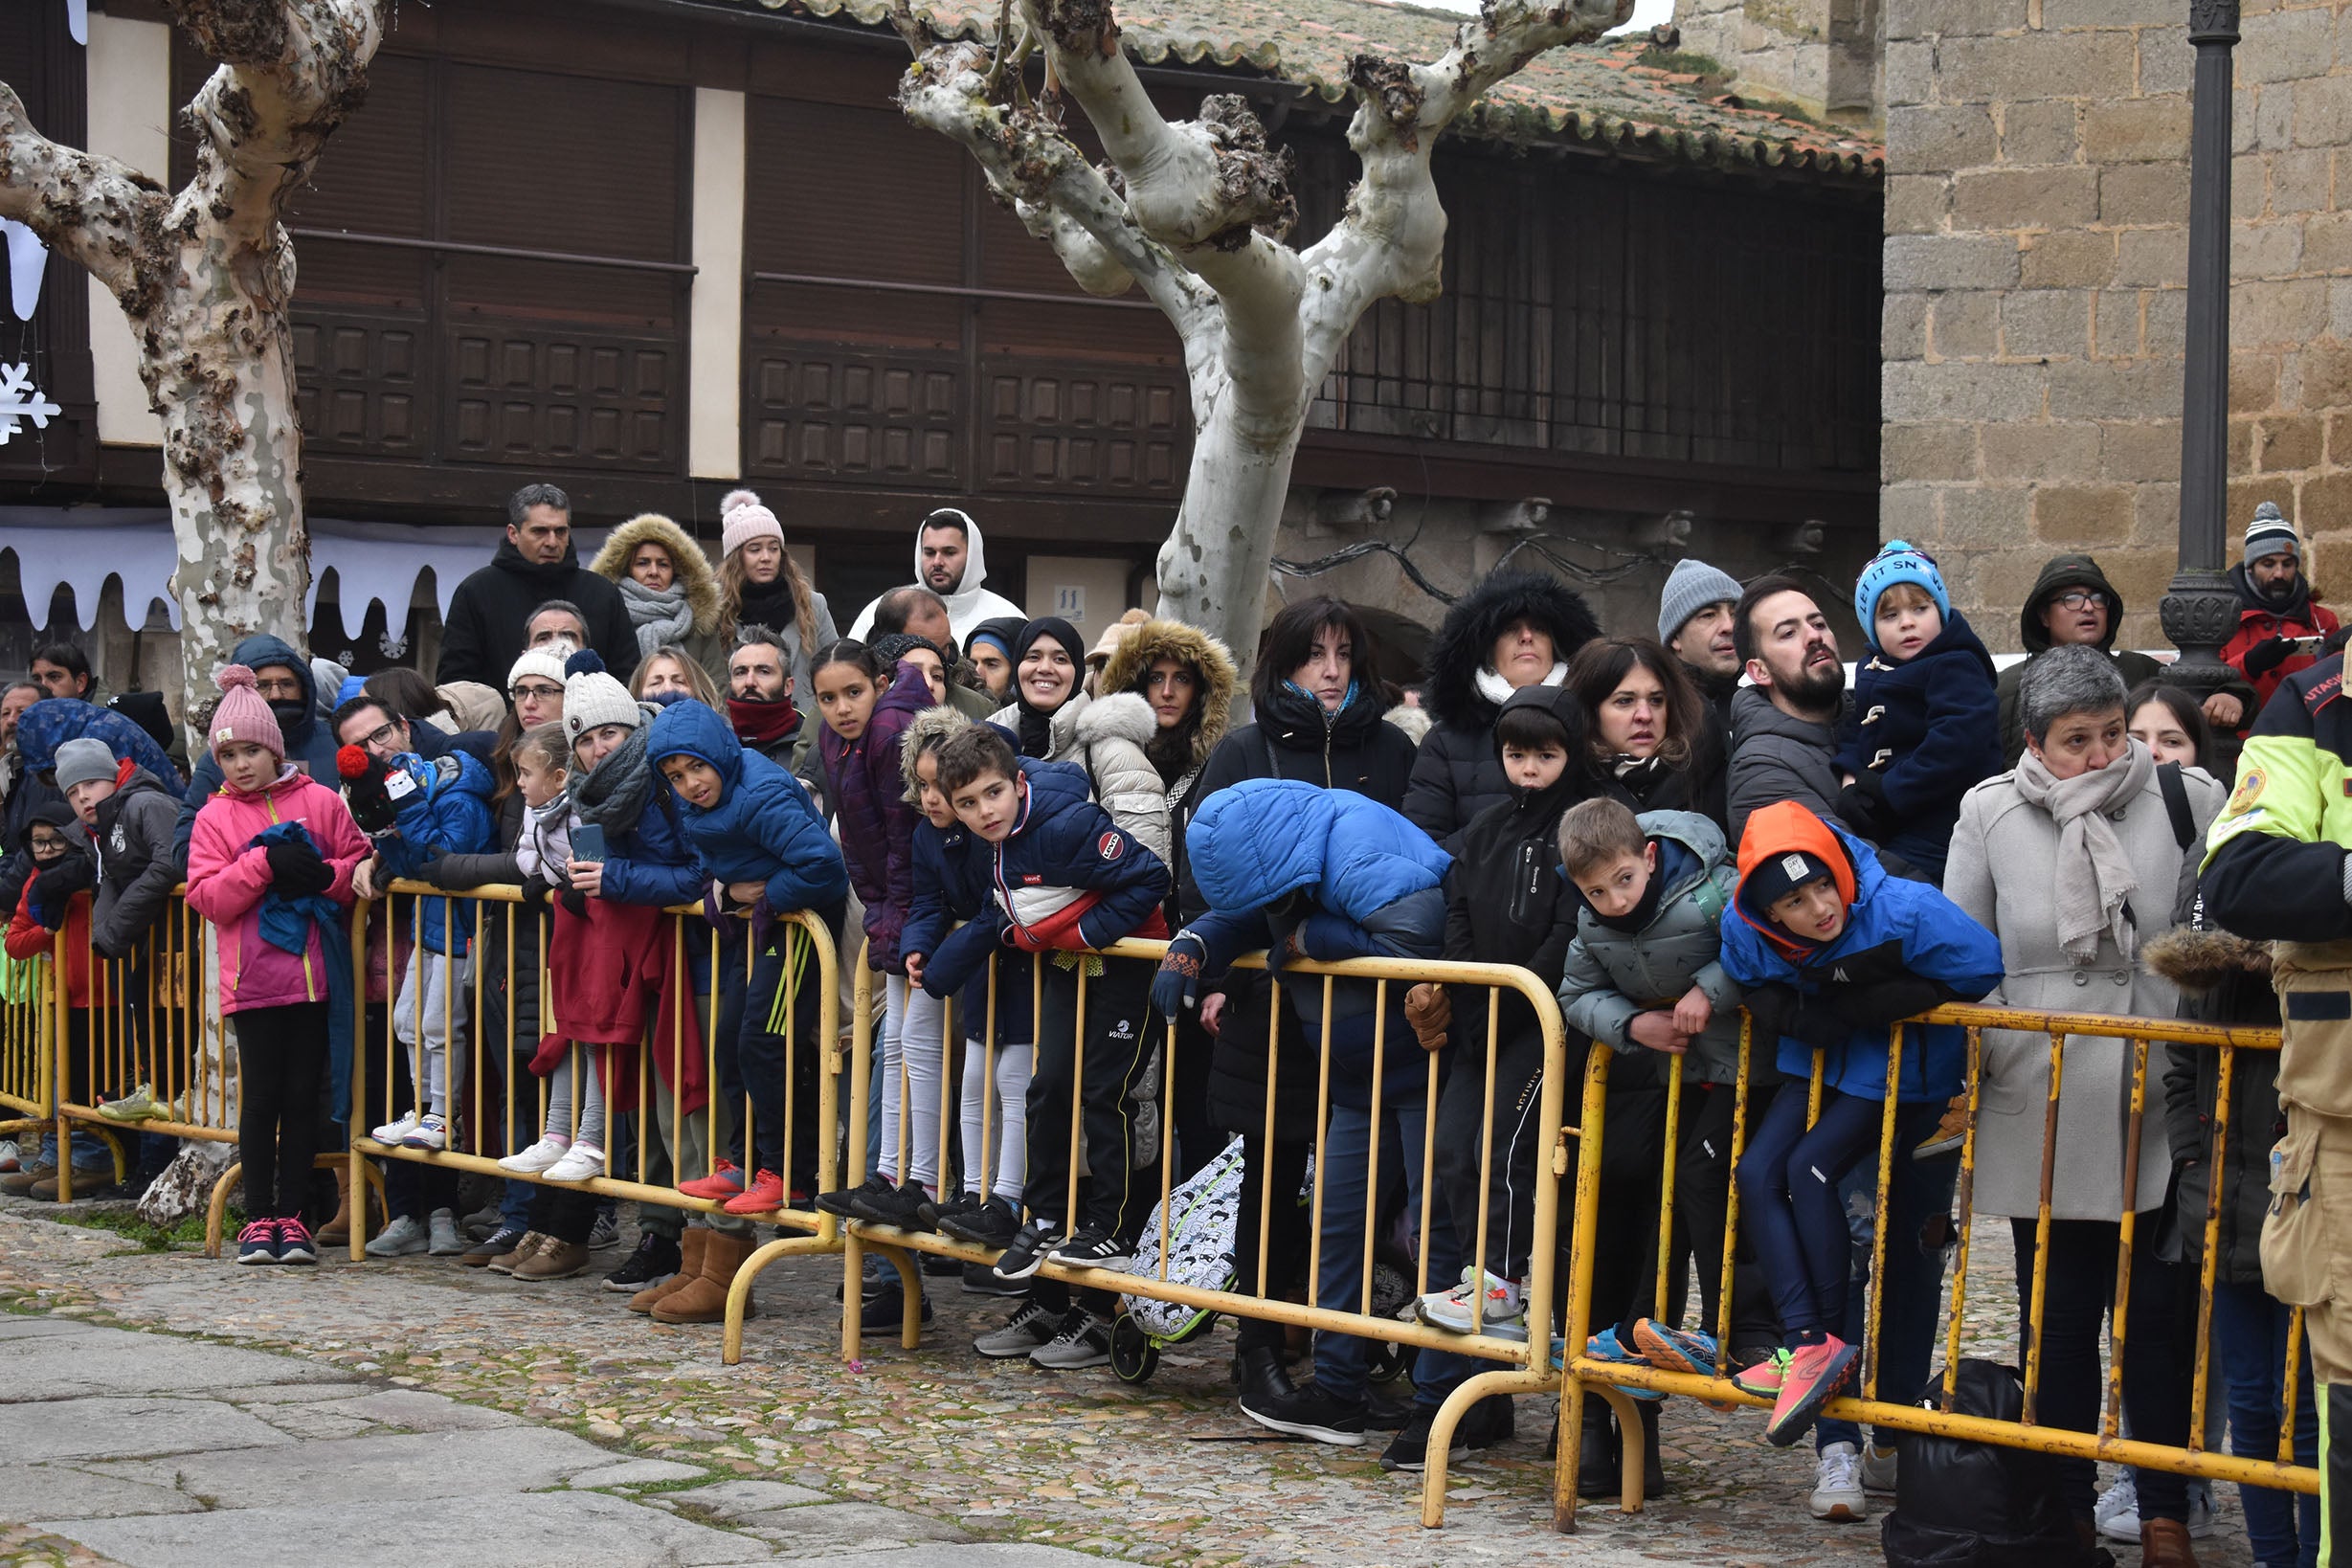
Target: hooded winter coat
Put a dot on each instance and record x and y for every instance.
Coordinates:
(310, 738)
(1505, 900)
(1105, 737)
(862, 781)
(2221, 978)
(951, 884)
(1922, 734)
(228, 878)
(448, 813)
(2061, 573)
(1347, 878)
(2259, 619)
(2003, 864)
(763, 829)
(483, 635)
(971, 604)
(1776, 756)
(692, 579)
(135, 869)
(1696, 785)
(1179, 759)
(1457, 773)
(1611, 975)
(1905, 949)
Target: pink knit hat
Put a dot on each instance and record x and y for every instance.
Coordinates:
(242, 715)
(743, 517)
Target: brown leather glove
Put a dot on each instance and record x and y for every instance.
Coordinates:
(1430, 1011)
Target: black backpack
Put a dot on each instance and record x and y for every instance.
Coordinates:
(1974, 1505)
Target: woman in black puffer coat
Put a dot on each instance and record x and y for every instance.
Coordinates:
(1515, 629)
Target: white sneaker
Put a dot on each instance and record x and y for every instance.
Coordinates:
(1879, 1468)
(2200, 1520)
(395, 1131)
(445, 1241)
(2117, 1513)
(1502, 1314)
(580, 1162)
(1838, 1492)
(8, 1154)
(403, 1238)
(538, 1158)
(430, 1132)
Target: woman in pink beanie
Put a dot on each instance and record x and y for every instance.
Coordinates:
(761, 585)
(255, 879)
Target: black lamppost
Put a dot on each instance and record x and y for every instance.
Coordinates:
(2200, 610)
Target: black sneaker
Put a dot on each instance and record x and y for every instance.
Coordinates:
(654, 1260)
(1081, 1340)
(994, 1223)
(1409, 1449)
(957, 1202)
(1090, 1248)
(980, 1280)
(899, 1206)
(938, 1265)
(1020, 1334)
(1309, 1413)
(1026, 1254)
(839, 1201)
(883, 1312)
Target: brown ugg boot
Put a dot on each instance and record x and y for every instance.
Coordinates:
(337, 1231)
(703, 1300)
(2163, 1543)
(689, 1269)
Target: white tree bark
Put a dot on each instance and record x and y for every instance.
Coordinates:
(207, 278)
(1196, 214)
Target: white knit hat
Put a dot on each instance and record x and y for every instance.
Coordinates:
(592, 699)
(742, 517)
(545, 662)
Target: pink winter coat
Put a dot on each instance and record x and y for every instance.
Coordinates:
(227, 877)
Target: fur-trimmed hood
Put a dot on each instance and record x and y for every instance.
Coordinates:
(687, 557)
(1466, 639)
(926, 729)
(1121, 715)
(1157, 640)
(2199, 961)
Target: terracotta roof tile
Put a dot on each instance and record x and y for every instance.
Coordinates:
(1595, 96)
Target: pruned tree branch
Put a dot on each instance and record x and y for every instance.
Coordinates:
(91, 210)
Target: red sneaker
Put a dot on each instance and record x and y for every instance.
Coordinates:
(720, 1185)
(764, 1195)
(1811, 1379)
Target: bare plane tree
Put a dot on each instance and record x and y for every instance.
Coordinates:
(1196, 214)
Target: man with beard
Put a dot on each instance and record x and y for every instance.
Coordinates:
(2275, 608)
(760, 708)
(1694, 622)
(950, 562)
(1784, 726)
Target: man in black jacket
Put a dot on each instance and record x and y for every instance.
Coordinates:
(484, 631)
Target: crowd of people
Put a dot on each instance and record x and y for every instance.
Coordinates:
(1667, 825)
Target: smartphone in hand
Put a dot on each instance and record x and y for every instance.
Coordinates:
(588, 842)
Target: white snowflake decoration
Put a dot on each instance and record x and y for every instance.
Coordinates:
(20, 400)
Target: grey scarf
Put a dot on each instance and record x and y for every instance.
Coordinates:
(614, 796)
(659, 617)
(2093, 880)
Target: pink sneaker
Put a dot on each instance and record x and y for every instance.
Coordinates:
(1812, 1377)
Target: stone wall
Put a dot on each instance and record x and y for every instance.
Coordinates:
(2036, 251)
(1819, 55)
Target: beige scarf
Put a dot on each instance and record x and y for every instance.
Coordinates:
(2092, 879)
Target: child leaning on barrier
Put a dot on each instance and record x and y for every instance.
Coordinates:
(131, 815)
(269, 859)
(1833, 950)
(52, 914)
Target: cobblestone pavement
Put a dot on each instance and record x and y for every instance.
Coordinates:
(1165, 1472)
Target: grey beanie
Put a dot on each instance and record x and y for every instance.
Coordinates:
(2270, 534)
(82, 759)
(1692, 586)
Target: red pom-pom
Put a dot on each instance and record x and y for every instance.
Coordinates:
(351, 762)
(233, 675)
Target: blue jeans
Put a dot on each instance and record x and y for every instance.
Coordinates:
(2249, 1329)
(1343, 1361)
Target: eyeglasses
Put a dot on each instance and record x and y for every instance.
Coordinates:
(537, 691)
(384, 734)
(2081, 599)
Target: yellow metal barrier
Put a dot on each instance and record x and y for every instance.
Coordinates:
(1523, 1367)
(1582, 1374)
(28, 1047)
(478, 1134)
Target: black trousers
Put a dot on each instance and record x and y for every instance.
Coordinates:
(1284, 1165)
(1509, 1178)
(786, 993)
(1702, 1201)
(1118, 1015)
(282, 1063)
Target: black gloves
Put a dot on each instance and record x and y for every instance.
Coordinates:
(1772, 1009)
(1833, 1016)
(535, 892)
(296, 870)
(363, 790)
(573, 900)
(54, 885)
(2267, 656)
(1862, 806)
(1178, 984)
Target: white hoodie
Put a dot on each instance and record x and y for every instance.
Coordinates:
(972, 603)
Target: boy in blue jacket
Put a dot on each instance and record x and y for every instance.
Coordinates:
(1833, 950)
(765, 849)
(1924, 726)
(1066, 879)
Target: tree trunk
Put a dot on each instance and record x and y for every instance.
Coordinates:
(1213, 570)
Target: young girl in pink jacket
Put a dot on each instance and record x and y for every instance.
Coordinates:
(278, 994)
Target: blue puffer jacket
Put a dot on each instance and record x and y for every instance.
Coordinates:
(950, 883)
(1922, 734)
(310, 740)
(448, 813)
(763, 829)
(1905, 948)
(1351, 878)
(1062, 842)
(52, 721)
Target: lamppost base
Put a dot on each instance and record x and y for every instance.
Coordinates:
(2199, 614)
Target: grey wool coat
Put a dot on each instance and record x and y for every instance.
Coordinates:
(2003, 868)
